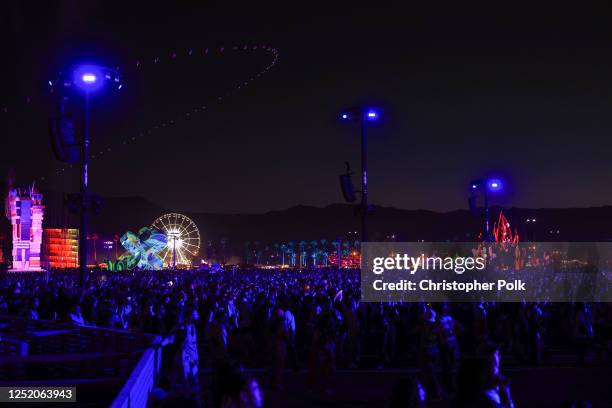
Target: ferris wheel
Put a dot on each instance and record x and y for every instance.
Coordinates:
(183, 239)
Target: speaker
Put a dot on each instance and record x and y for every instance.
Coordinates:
(64, 142)
(346, 184)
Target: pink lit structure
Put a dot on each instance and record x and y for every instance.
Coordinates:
(25, 210)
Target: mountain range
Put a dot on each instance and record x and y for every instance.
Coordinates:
(336, 220)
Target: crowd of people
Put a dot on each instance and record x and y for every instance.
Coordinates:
(311, 320)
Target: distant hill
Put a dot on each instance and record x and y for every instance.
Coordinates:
(306, 223)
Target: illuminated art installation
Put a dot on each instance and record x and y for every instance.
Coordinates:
(183, 239)
(61, 247)
(142, 250)
(25, 210)
(502, 231)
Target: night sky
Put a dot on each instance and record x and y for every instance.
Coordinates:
(525, 99)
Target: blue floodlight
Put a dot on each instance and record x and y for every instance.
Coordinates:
(344, 116)
(371, 115)
(474, 186)
(494, 185)
(88, 77)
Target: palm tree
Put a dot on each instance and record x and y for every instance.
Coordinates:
(94, 238)
(116, 239)
(324, 249)
(283, 249)
(291, 250)
(257, 251)
(247, 251)
(346, 248)
(314, 245)
(223, 249)
(337, 246)
(276, 247)
(302, 247)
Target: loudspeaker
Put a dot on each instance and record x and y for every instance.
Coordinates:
(64, 142)
(346, 184)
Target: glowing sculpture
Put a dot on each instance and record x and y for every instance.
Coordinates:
(61, 247)
(25, 210)
(142, 249)
(502, 231)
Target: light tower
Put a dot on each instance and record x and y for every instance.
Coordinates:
(363, 117)
(89, 79)
(484, 186)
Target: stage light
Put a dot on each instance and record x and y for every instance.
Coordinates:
(372, 115)
(474, 186)
(494, 185)
(89, 78)
(344, 116)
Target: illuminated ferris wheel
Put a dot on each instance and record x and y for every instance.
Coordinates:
(183, 239)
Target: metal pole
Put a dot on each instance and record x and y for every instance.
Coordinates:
(84, 199)
(364, 182)
(174, 253)
(486, 204)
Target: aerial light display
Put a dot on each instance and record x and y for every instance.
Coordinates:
(25, 210)
(142, 250)
(183, 239)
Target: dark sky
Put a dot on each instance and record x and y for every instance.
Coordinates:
(526, 99)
